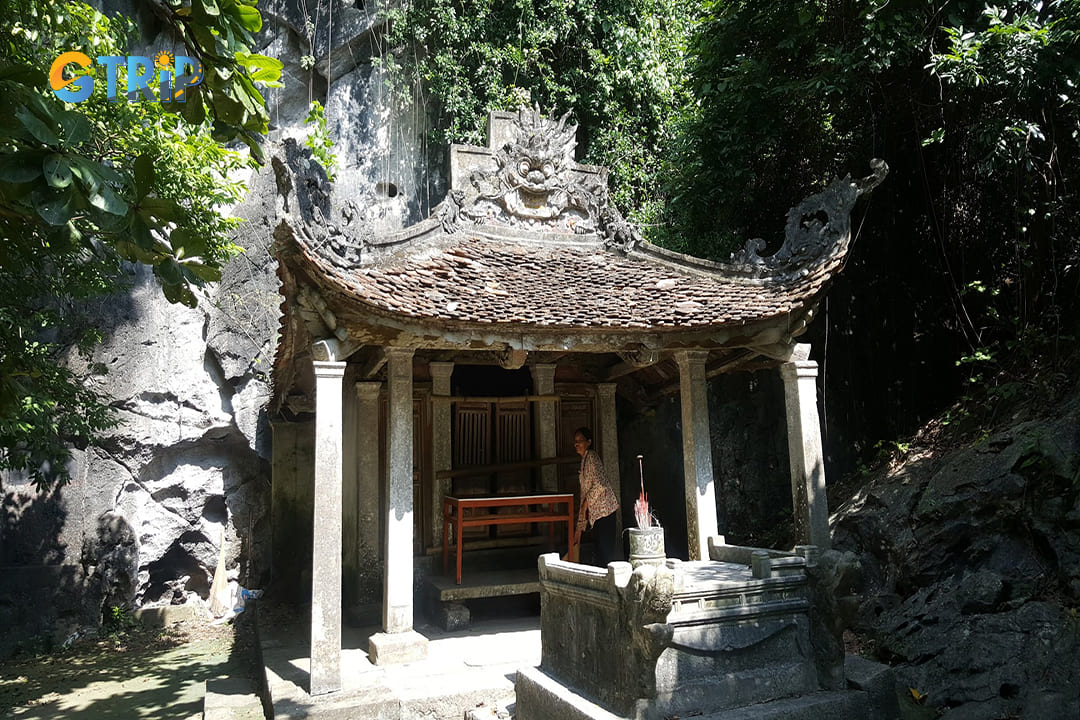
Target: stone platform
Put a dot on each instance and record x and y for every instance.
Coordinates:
(485, 584)
(462, 670)
(550, 699)
(446, 599)
(742, 636)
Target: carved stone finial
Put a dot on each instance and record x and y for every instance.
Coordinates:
(817, 228)
(304, 191)
(618, 233)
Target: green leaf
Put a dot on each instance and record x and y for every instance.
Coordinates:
(36, 127)
(179, 294)
(202, 272)
(254, 145)
(54, 207)
(57, 170)
(261, 68)
(105, 199)
(169, 271)
(93, 174)
(229, 109)
(249, 18)
(133, 253)
(193, 111)
(269, 78)
(75, 126)
(139, 230)
(161, 208)
(210, 7)
(187, 242)
(144, 176)
(20, 167)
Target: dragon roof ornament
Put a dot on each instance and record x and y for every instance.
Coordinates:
(527, 177)
(817, 229)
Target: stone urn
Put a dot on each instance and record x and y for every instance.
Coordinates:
(647, 546)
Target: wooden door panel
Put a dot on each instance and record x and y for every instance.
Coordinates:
(574, 412)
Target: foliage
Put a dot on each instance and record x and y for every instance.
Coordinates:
(971, 243)
(85, 186)
(616, 64)
(117, 619)
(318, 139)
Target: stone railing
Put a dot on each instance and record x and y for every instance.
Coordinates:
(680, 638)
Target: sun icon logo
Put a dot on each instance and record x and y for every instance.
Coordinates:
(163, 59)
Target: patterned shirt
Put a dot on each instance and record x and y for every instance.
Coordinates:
(597, 497)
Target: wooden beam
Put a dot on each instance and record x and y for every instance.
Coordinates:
(494, 399)
(740, 358)
(373, 364)
(504, 467)
(618, 370)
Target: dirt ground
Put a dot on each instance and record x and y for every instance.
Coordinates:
(134, 673)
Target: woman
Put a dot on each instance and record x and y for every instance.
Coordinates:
(598, 501)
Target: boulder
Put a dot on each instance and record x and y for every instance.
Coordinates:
(971, 579)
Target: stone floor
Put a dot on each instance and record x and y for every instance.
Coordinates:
(464, 668)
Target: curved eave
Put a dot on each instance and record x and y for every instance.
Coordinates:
(646, 297)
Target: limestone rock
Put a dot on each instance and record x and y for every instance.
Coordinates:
(971, 562)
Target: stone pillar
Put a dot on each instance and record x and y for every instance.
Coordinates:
(544, 384)
(810, 507)
(398, 642)
(442, 457)
(697, 454)
(609, 443)
(326, 552)
(367, 480)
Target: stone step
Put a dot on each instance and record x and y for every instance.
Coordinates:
(540, 697)
(838, 705)
(231, 698)
(485, 584)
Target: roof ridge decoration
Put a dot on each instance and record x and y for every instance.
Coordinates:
(526, 178)
(818, 229)
(525, 184)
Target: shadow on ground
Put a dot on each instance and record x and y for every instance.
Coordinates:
(137, 674)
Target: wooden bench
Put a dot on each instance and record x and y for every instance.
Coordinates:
(483, 511)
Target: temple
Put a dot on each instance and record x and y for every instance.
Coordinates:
(453, 359)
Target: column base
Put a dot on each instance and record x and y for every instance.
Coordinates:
(397, 648)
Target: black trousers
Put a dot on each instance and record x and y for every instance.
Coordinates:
(603, 538)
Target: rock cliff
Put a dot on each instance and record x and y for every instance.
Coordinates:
(144, 516)
(971, 563)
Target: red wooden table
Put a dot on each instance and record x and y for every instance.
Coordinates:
(484, 511)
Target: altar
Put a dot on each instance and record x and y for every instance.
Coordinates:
(482, 512)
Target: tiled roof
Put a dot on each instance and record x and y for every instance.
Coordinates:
(474, 279)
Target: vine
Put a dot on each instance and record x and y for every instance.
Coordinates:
(318, 139)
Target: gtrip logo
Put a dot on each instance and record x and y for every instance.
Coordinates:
(170, 75)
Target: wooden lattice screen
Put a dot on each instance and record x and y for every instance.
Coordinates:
(472, 447)
(513, 443)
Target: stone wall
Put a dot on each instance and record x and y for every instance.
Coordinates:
(143, 517)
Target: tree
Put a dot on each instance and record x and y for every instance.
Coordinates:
(972, 242)
(88, 185)
(617, 65)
